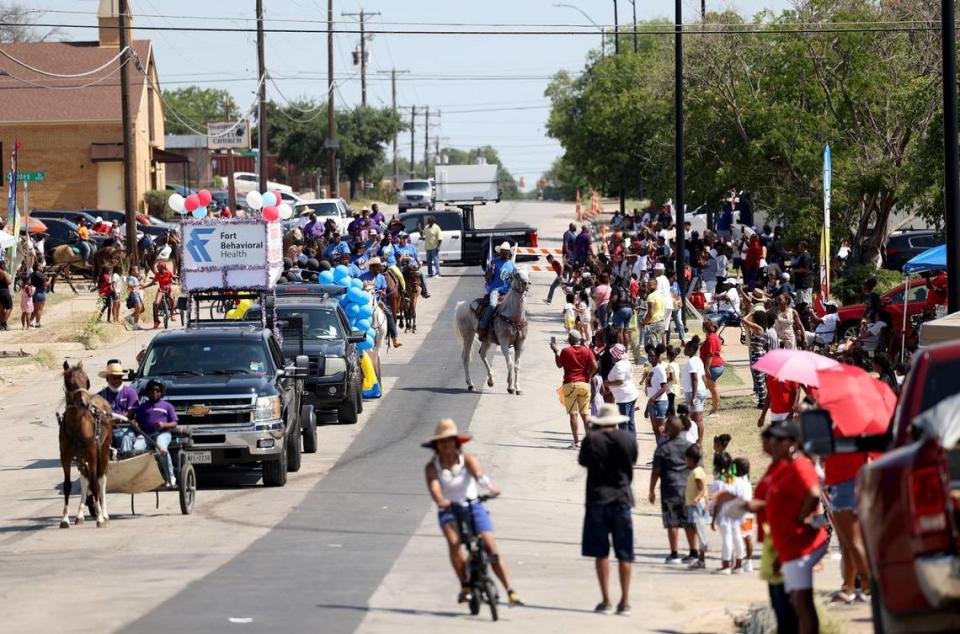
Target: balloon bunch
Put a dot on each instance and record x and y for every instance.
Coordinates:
(271, 205)
(194, 204)
(356, 303)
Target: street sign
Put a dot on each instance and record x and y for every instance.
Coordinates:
(333, 144)
(226, 135)
(31, 177)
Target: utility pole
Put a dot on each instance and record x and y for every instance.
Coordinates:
(951, 170)
(393, 95)
(616, 30)
(331, 143)
(363, 15)
(636, 47)
(127, 124)
(678, 143)
(262, 161)
(426, 143)
(413, 134)
(231, 186)
(703, 10)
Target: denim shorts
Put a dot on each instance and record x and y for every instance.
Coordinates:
(716, 371)
(694, 402)
(658, 409)
(600, 523)
(621, 317)
(843, 495)
(481, 518)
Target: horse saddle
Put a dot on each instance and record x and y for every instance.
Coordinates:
(479, 305)
(75, 249)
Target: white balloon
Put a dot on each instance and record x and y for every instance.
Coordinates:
(255, 200)
(286, 211)
(176, 202)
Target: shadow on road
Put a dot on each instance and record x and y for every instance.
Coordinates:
(406, 611)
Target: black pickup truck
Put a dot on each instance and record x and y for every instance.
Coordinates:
(230, 384)
(464, 243)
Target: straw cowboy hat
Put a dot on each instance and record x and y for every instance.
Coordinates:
(609, 416)
(505, 246)
(114, 368)
(446, 429)
(374, 260)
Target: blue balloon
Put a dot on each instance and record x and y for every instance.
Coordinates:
(326, 277)
(340, 272)
(366, 312)
(356, 283)
(200, 212)
(353, 311)
(364, 346)
(356, 295)
(270, 199)
(343, 281)
(371, 340)
(363, 324)
(365, 297)
(370, 333)
(344, 301)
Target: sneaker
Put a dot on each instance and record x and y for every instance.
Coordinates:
(465, 595)
(748, 566)
(689, 559)
(623, 609)
(842, 598)
(173, 482)
(861, 596)
(438, 274)
(547, 301)
(673, 559)
(697, 565)
(514, 599)
(723, 571)
(573, 445)
(156, 325)
(736, 571)
(713, 414)
(603, 608)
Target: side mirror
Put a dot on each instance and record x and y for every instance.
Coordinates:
(356, 336)
(131, 375)
(301, 367)
(817, 429)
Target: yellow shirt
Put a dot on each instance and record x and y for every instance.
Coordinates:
(690, 496)
(432, 236)
(83, 232)
(655, 312)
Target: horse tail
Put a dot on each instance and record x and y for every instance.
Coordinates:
(456, 321)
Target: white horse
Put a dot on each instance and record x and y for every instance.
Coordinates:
(509, 325)
(379, 324)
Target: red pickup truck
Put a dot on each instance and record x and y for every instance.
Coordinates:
(908, 501)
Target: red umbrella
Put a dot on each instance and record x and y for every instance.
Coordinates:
(32, 225)
(858, 403)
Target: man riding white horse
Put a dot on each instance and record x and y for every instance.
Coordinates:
(498, 275)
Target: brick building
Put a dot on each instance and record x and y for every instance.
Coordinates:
(70, 128)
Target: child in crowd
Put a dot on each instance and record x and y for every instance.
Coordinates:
(695, 500)
(569, 315)
(746, 525)
(720, 444)
(582, 310)
(691, 432)
(674, 395)
(26, 305)
(728, 516)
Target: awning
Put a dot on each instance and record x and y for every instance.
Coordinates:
(934, 259)
(166, 156)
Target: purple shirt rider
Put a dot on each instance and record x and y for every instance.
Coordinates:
(150, 414)
(123, 400)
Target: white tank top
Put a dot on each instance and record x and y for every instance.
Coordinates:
(457, 483)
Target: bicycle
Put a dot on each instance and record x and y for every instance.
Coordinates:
(166, 308)
(482, 586)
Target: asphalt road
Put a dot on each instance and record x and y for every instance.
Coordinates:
(333, 549)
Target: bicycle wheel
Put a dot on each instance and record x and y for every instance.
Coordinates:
(474, 602)
(166, 313)
(490, 596)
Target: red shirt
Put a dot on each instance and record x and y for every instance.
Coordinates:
(164, 279)
(785, 497)
(760, 493)
(782, 395)
(576, 362)
(104, 284)
(842, 467)
(557, 268)
(710, 351)
(937, 293)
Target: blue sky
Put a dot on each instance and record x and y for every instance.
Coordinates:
(447, 73)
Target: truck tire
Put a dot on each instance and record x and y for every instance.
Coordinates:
(275, 471)
(349, 411)
(294, 451)
(308, 423)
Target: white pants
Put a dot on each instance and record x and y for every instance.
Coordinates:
(731, 540)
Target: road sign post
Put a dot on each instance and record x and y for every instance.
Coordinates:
(31, 177)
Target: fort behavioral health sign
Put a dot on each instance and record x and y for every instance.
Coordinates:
(245, 253)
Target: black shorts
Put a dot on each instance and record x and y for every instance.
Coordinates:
(674, 512)
(6, 300)
(600, 522)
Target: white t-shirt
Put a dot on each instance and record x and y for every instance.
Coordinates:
(663, 287)
(872, 341)
(640, 267)
(626, 391)
(658, 376)
(692, 435)
(116, 283)
(729, 300)
(829, 327)
(694, 365)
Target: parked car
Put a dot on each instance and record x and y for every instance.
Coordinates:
(248, 182)
(65, 214)
(415, 194)
(61, 231)
(908, 501)
(892, 300)
(461, 242)
(183, 190)
(903, 245)
(120, 216)
(291, 199)
(335, 208)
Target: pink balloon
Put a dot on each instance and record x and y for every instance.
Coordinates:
(271, 213)
(191, 202)
(204, 196)
(276, 193)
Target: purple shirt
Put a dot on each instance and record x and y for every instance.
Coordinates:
(582, 245)
(378, 218)
(123, 400)
(151, 413)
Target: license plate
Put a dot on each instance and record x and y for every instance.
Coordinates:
(198, 457)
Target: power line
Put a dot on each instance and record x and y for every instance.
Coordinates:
(65, 76)
(34, 84)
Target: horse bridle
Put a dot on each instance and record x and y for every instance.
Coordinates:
(94, 411)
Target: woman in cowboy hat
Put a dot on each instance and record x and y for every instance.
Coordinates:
(454, 477)
(123, 400)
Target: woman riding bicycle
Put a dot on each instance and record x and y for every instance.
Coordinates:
(454, 478)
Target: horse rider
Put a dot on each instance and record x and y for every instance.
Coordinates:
(498, 275)
(156, 418)
(408, 257)
(374, 280)
(123, 399)
(83, 243)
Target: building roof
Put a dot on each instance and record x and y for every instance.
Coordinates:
(31, 97)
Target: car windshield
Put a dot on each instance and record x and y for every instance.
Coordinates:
(941, 382)
(319, 324)
(209, 356)
(321, 209)
(416, 185)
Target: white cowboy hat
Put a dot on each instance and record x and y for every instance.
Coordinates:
(114, 368)
(98, 219)
(505, 246)
(374, 260)
(609, 416)
(446, 429)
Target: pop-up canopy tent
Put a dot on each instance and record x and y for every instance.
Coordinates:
(933, 259)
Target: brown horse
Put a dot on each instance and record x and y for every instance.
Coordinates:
(395, 296)
(86, 431)
(412, 277)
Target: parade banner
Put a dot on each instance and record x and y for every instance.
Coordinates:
(244, 253)
(825, 230)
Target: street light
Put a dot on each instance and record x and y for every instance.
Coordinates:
(589, 19)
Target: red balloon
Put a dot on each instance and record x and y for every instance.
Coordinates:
(191, 202)
(204, 196)
(271, 213)
(276, 193)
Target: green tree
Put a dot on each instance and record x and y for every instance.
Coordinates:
(197, 106)
(16, 24)
(364, 133)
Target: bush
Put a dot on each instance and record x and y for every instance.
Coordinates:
(848, 284)
(156, 200)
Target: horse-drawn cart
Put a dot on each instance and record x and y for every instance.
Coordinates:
(142, 472)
